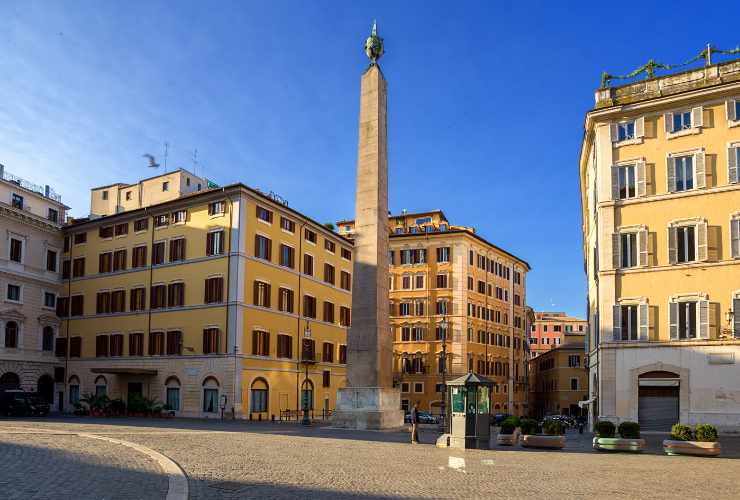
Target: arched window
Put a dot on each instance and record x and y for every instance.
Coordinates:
(74, 390)
(172, 396)
(47, 341)
(307, 395)
(11, 334)
(101, 386)
(10, 380)
(210, 395)
(259, 396)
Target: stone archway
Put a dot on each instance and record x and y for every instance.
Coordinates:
(10, 380)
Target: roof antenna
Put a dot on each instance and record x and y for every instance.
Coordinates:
(195, 162)
(166, 150)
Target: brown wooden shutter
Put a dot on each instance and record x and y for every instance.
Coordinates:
(209, 243)
(255, 342)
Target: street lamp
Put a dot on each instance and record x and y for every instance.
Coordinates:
(443, 327)
(306, 361)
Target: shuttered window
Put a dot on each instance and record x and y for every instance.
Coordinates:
(262, 247)
(343, 354)
(141, 225)
(174, 343)
(121, 229)
(101, 346)
(158, 253)
(326, 379)
(176, 294)
(102, 303)
(285, 300)
(345, 281)
(287, 256)
(327, 355)
(105, 262)
(328, 312)
(211, 341)
(105, 232)
(736, 316)
(344, 316)
(215, 243)
(684, 120)
(138, 258)
(628, 181)
(75, 347)
(156, 343)
(136, 344)
(735, 239)
(158, 296)
(284, 346)
(119, 260)
(688, 243)
(214, 290)
(733, 160)
(307, 265)
(118, 301)
(261, 294)
(137, 299)
(309, 306)
(329, 274)
(177, 250)
(260, 343)
(116, 345)
(78, 267)
(686, 172)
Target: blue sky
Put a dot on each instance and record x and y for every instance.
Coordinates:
(486, 102)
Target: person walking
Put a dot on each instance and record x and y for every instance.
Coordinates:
(415, 424)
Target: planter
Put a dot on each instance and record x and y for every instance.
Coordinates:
(619, 444)
(542, 441)
(696, 448)
(507, 439)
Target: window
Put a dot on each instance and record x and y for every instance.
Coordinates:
(419, 281)
(261, 294)
(285, 300)
(626, 181)
(685, 244)
(310, 236)
(345, 281)
(158, 296)
(210, 396)
(258, 397)
(156, 343)
(329, 274)
(74, 393)
(262, 247)
(116, 345)
(625, 131)
(128, 195)
(173, 399)
(66, 244)
(104, 195)
(158, 253)
(406, 282)
(471, 283)
(141, 225)
(264, 214)
(573, 384)
(210, 340)
(443, 254)
(574, 361)
(176, 294)
(405, 333)
(215, 242)
(101, 346)
(138, 257)
(342, 354)
(684, 171)
(628, 243)
(284, 346)
(417, 333)
(105, 232)
(629, 326)
(136, 344)
(326, 379)
(47, 341)
(80, 238)
(214, 290)
(118, 301)
(404, 309)
(442, 281)
(177, 250)
(308, 349)
(287, 256)
(50, 300)
(481, 287)
(309, 306)
(216, 208)
(327, 352)
(681, 121)
(330, 246)
(11, 334)
(260, 343)
(442, 307)
(179, 217)
(346, 254)
(121, 229)
(307, 264)
(16, 250)
(166, 186)
(119, 260)
(418, 387)
(174, 343)
(77, 305)
(51, 261)
(328, 312)
(137, 300)
(344, 316)
(105, 262)
(287, 224)
(17, 201)
(688, 318)
(735, 239)
(419, 308)
(14, 293)
(161, 220)
(102, 303)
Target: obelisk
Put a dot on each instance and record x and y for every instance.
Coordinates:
(370, 401)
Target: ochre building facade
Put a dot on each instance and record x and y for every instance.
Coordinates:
(550, 329)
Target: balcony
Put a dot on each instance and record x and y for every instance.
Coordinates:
(45, 191)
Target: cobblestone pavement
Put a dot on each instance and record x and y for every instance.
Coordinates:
(55, 466)
(230, 460)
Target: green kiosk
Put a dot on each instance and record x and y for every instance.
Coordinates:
(469, 412)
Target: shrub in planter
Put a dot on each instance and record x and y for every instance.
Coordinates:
(680, 432)
(529, 426)
(507, 427)
(705, 432)
(629, 430)
(552, 427)
(514, 420)
(604, 429)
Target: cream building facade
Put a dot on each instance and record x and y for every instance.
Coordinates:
(452, 293)
(31, 218)
(661, 229)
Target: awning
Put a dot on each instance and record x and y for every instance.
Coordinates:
(124, 371)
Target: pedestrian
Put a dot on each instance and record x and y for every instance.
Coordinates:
(415, 423)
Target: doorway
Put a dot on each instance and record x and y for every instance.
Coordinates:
(135, 390)
(45, 388)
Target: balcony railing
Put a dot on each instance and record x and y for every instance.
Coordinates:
(36, 188)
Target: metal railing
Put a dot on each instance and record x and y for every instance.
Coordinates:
(37, 188)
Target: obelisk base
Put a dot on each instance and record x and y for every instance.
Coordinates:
(374, 408)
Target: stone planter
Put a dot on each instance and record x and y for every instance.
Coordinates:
(507, 439)
(697, 448)
(618, 444)
(542, 441)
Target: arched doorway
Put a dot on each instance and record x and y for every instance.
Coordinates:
(307, 394)
(658, 400)
(45, 388)
(10, 380)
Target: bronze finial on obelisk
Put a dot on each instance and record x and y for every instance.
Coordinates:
(370, 401)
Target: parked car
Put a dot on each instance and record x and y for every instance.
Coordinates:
(424, 418)
(18, 403)
(498, 418)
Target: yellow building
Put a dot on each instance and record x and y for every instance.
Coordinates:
(222, 297)
(558, 379)
(661, 229)
(550, 330)
(444, 274)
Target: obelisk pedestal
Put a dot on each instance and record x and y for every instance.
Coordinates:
(370, 401)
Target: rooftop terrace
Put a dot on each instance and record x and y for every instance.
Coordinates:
(45, 191)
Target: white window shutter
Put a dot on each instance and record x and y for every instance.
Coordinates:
(700, 168)
(732, 164)
(735, 241)
(640, 171)
(730, 108)
(736, 309)
(615, 183)
(642, 243)
(668, 119)
(672, 245)
(644, 320)
(616, 245)
(703, 312)
(673, 320)
(697, 117)
(640, 127)
(617, 311)
(701, 241)
(614, 132)
(671, 174)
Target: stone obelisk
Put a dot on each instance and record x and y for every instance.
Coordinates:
(370, 401)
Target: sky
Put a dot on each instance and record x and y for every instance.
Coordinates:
(486, 103)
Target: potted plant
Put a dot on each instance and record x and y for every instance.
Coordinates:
(701, 441)
(552, 438)
(629, 439)
(508, 433)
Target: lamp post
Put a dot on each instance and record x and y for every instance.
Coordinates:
(306, 361)
(443, 327)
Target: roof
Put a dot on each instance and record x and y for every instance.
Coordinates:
(125, 184)
(408, 214)
(470, 378)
